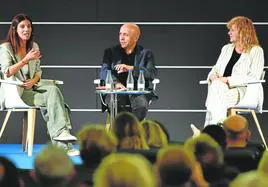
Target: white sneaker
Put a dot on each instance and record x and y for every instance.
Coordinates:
(73, 152)
(195, 130)
(65, 136)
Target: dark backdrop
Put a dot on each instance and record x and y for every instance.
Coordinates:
(187, 34)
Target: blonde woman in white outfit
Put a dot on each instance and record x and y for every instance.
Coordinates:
(240, 61)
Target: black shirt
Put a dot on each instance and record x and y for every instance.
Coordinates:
(127, 59)
(229, 68)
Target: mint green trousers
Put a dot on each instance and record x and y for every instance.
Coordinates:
(51, 102)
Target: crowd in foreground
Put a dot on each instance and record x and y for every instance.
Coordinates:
(141, 154)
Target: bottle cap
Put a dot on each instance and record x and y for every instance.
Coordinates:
(142, 70)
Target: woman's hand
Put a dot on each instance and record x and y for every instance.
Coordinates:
(29, 83)
(33, 54)
(213, 77)
(217, 77)
(223, 79)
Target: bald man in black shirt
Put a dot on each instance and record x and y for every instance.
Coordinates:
(128, 55)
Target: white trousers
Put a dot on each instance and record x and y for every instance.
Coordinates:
(220, 97)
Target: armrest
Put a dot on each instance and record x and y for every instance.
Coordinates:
(155, 82)
(97, 81)
(203, 82)
(49, 81)
(14, 82)
(249, 82)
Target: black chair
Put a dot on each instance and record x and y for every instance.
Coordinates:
(149, 154)
(244, 159)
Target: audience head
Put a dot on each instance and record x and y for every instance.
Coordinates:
(208, 153)
(129, 35)
(164, 128)
(236, 128)
(126, 170)
(250, 179)
(129, 131)
(246, 34)
(9, 174)
(263, 164)
(217, 133)
(205, 148)
(15, 36)
(154, 134)
(174, 165)
(95, 143)
(53, 166)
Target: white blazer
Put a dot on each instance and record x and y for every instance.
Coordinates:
(249, 67)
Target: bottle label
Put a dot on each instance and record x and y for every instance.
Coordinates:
(141, 87)
(108, 86)
(130, 86)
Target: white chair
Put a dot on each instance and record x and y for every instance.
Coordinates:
(251, 104)
(14, 103)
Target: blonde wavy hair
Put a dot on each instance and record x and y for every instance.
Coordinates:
(246, 32)
(154, 134)
(175, 165)
(122, 169)
(95, 142)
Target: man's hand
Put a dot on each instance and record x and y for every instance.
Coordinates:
(120, 68)
(119, 86)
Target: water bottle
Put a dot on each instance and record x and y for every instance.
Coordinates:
(130, 81)
(109, 80)
(141, 81)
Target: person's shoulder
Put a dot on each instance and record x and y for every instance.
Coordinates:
(142, 49)
(256, 48)
(113, 47)
(228, 46)
(6, 45)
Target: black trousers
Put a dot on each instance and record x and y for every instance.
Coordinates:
(137, 104)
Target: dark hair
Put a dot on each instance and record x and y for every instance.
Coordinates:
(11, 173)
(12, 35)
(217, 133)
(174, 176)
(123, 121)
(129, 131)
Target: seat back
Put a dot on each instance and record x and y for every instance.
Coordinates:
(12, 97)
(253, 98)
(150, 155)
(244, 159)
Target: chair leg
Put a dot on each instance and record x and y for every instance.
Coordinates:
(24, 131)
(108, 124)
(232, 112)
(258, 127)
(30, 130)
(5, 123)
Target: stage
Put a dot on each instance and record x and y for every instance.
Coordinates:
(14, 153)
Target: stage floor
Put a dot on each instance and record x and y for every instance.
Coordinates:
(14, 153)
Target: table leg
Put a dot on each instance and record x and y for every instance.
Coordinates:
(113, 109)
